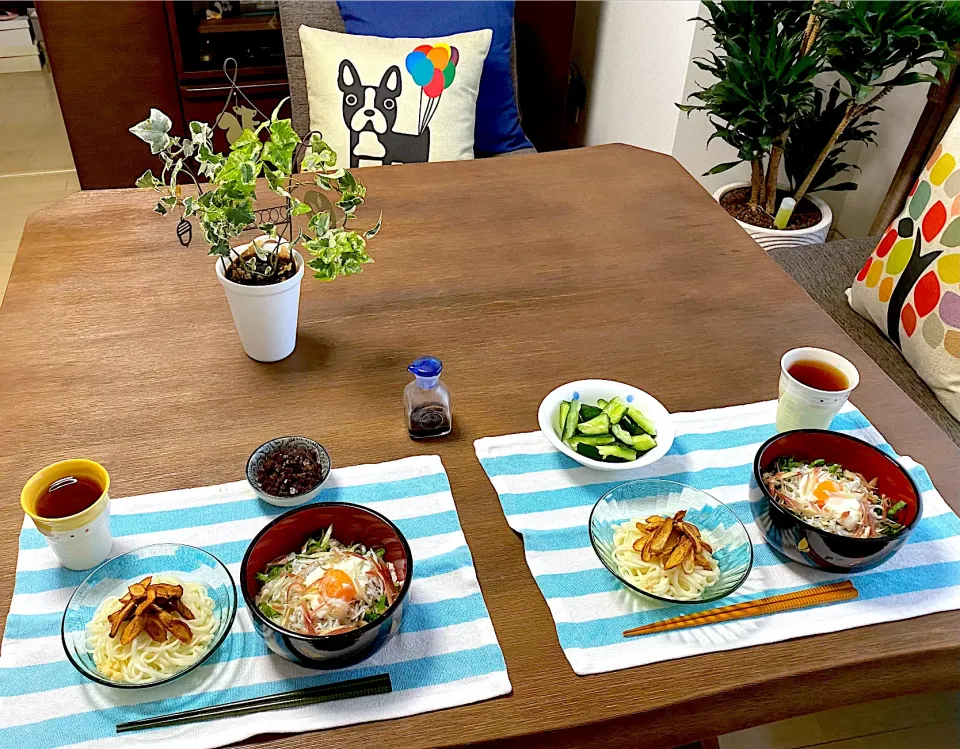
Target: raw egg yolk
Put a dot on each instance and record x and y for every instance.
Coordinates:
(337, 584)
(822, 490)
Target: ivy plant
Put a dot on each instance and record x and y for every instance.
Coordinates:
(224, 206)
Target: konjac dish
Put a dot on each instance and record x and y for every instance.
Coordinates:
(666, 556)
(833, 498)
(159, 627)
(327, 587)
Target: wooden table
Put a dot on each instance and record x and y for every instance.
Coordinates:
(520, 274)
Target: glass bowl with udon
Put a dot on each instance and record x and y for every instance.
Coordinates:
(670, 542)
(149, 616)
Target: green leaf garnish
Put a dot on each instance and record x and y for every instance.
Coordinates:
(314, 546)
(267, 610)
(377, 609)
(787, 463)
(272, 573)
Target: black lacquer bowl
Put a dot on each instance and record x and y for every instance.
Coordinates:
(807, 544)
(351, 524)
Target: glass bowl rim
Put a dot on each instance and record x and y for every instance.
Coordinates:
(320, 450)
(758, 478)
(210, 651)
(255, 612)
(631, 586)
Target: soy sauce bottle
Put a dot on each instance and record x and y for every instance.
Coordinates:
(427, 400)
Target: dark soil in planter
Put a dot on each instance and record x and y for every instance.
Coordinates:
(289, 471)
(735, 203)
(282, 267)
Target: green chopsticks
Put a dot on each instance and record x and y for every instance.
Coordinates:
(368, 685)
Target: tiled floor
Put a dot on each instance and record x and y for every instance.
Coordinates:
(36, 167)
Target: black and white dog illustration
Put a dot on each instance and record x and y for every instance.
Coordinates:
(370, 113)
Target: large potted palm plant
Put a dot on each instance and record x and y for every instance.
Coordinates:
(768, 103)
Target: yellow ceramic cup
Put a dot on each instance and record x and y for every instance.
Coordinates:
(80, 541)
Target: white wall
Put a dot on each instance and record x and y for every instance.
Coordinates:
(854, 211)
(692, 131)
(638, 72)
(637, 59)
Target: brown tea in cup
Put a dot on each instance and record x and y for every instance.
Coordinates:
(819, 375)
(68, 496)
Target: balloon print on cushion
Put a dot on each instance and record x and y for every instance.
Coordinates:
(920, 284)
(433, 68)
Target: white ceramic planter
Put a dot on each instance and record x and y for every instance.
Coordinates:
(265, 316)
(771, 239)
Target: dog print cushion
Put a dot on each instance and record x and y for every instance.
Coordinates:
(498, 127)
(394, 101)
(910, 286)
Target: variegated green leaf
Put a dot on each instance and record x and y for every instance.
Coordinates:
(148, 180)
(371, 233)
(154, 131)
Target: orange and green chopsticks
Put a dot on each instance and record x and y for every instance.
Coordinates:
(798, 599)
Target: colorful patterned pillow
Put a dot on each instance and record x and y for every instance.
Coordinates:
(498, 120)
(394, 101)
(910, 286)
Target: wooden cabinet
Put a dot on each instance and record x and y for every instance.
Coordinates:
(544, 35)
(113, 61)
(205, 103)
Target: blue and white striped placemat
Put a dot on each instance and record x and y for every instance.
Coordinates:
(547, 497)
(445, 654)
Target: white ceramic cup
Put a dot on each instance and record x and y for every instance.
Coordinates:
(803, 407)
(80, 541)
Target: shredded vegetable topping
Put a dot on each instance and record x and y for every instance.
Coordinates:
(834, 499)
(327, 587)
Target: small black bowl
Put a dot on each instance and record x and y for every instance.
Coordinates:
(255, 461)
(807, 544)
(351, 524)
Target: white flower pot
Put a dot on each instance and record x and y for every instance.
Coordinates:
(771, 239)
(265, 316)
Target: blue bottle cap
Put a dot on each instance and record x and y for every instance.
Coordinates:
(426, 366)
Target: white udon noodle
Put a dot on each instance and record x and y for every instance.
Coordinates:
(143, 660)
(651, 576)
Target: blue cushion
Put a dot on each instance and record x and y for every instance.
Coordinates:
(498, 121)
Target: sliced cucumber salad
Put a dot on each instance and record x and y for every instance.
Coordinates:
(611, 431)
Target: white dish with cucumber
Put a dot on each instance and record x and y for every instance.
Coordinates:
(606, 425)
